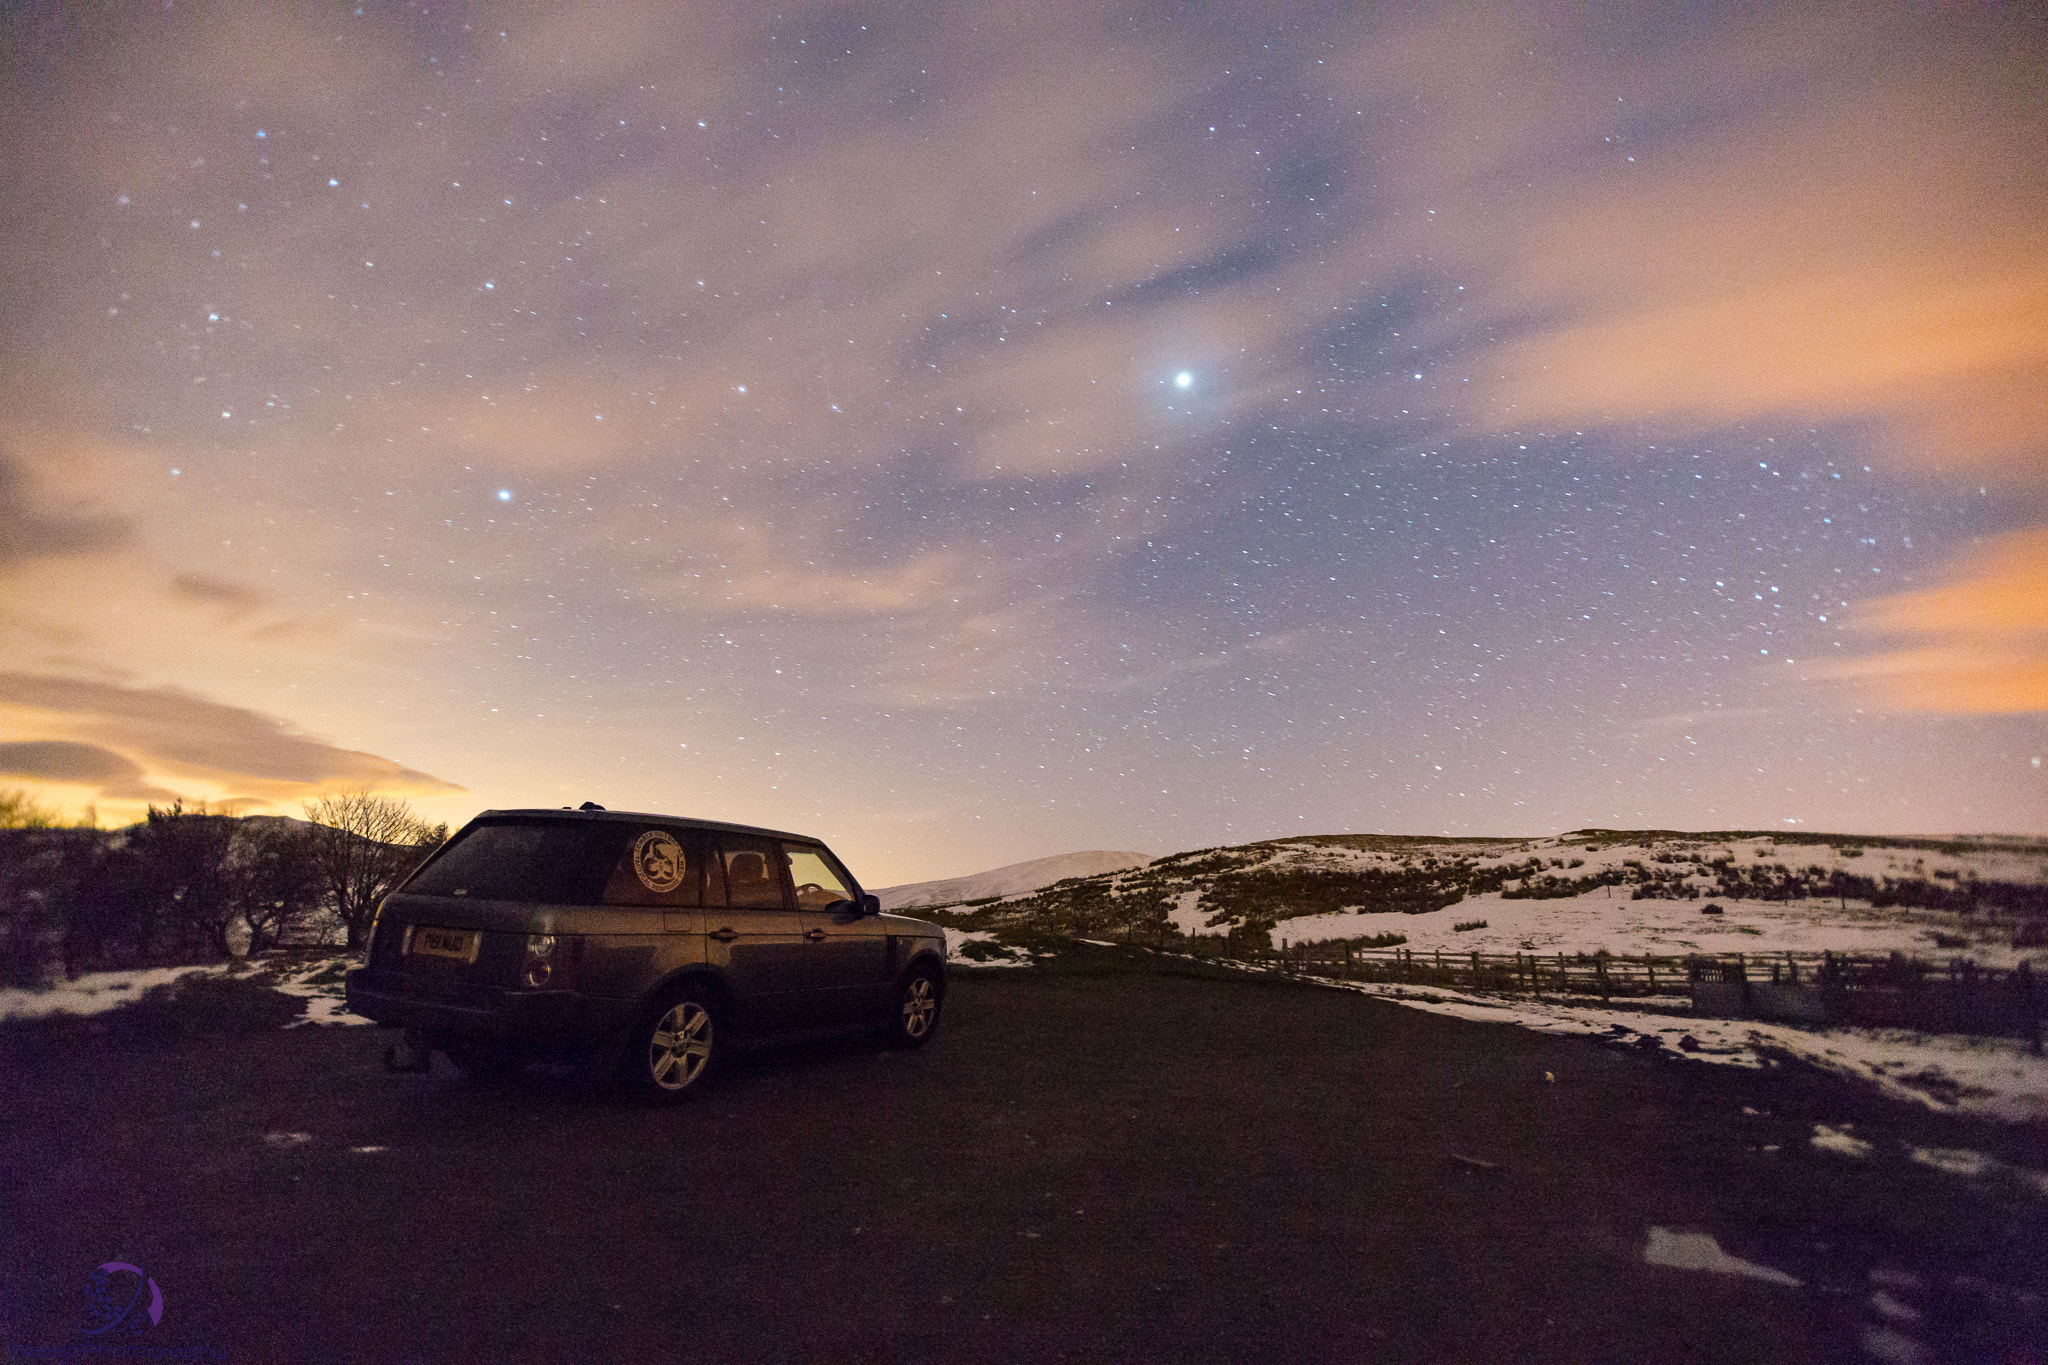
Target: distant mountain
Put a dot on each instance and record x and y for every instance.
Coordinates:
(1018, 879)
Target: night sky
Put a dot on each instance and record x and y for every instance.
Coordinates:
(973, 434)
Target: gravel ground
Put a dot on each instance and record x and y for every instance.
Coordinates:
(1104, 1157)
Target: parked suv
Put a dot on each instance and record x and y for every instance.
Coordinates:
(537, 932)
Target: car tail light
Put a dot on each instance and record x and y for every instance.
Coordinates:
(539, 968)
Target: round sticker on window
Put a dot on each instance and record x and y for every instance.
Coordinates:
(658, 859)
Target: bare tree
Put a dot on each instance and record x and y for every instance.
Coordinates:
(364, 844)
(187, 856)
(277, 883)
(19, 809)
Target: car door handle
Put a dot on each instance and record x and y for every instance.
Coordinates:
(723, 935)
(814, 934)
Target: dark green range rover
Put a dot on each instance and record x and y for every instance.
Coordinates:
(555, 932)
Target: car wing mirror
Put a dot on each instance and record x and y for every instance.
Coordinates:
(870, 904)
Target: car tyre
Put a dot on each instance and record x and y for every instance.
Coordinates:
(916, 1015)
(675, 1050)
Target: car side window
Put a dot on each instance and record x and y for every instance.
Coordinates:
(657, 867)
(753, 872)
(818, 883)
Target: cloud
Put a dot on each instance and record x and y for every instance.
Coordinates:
(91, 728)
(27, 534)
(1977, 644)
(115, 777)
(60, 760)
(1876, 253)
(210, 591)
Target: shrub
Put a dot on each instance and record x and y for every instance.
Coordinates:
(1468, 924)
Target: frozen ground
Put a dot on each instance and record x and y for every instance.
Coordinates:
(974, 948)
(1607, 917)
(318, 982)
(1997, 1078)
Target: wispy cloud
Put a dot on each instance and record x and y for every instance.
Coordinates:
(29, 532)
(207, 590)
(1976, 644)
(75, 730)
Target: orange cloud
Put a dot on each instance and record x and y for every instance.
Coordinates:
(1979, 643)
(129, 741)
(1877, 259)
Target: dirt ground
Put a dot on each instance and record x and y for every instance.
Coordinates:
(1111, 1157)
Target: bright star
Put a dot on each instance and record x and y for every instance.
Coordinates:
(504, 495)
(1183, 380)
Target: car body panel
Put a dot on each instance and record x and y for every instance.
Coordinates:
(778, 965)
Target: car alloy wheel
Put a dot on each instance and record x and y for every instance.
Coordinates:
(679, 1047)
(917, 1009)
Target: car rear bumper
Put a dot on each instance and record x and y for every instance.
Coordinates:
(553, 1020)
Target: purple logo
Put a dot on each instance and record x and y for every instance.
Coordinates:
(114, 1300)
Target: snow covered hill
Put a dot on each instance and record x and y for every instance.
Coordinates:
(1017, 879)
(1629, 892)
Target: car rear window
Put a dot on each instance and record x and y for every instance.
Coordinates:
(545, 861)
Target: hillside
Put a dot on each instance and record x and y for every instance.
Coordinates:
(1013, 880)
(1627, 891)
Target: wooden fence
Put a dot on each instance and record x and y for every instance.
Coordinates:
(1891, 991)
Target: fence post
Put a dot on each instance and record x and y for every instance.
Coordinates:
(1561, 988)
(2027, 1003)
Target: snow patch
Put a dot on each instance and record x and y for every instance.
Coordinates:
(1975, 1165)
(1186, 915)
(1950, 1073)
(1017, 879)
(995, 955)
(93, 993)
(1699, 1251)
(1839, 1140)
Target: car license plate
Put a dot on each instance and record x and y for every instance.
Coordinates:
(456, 944)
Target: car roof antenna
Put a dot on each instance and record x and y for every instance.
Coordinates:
(590, 805)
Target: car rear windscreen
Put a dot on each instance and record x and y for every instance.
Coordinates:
(546, 861)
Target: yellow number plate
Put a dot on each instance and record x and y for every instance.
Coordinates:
(458, 944)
